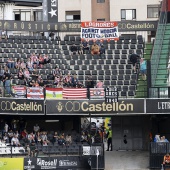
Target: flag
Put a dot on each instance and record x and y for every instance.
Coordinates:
(19, 91)
(35, 93)
(54, 93)
(74, 93)
(97, 93)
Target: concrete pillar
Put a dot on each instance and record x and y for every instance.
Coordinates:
(8, 14)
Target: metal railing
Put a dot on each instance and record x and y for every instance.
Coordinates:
(159, 92)
(156, 53)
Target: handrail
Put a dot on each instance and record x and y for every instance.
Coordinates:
(156, 53)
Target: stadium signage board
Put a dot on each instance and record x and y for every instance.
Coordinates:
(61, 162)
(158, 106)
(76, 107)
(38, 26)
(21, 106)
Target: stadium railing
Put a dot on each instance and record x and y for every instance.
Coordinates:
(156, 53)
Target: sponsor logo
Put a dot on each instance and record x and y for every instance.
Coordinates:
(59, 106)
(29, 166)
(67, 163)
(76, 106)
(52, 164)
(14, 106)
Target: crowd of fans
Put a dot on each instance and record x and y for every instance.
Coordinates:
(160, 139)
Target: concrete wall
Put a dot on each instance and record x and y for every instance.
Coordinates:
(100, 10)
(140, 6)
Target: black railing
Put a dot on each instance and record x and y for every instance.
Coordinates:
(157, 152)
(159, 92)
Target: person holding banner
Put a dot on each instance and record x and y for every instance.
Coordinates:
(95, 49)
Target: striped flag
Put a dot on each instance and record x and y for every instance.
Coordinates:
(35, 93)
(54, 93)
(74, 93)
(97, 93)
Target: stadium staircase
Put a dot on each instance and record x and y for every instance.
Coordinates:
(161, 48)
(141, 91)
(113, 68)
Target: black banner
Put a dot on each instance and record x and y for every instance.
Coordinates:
(21, 106)
(52, 11)
(60, 162)
(72, 27)
(158, 106)
(75, 107)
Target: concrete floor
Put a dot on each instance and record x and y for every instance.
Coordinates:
(126, 160)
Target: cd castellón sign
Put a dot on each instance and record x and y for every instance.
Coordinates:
(93, 106)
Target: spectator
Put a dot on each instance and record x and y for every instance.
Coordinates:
(27, 74)
(134, 60)
(6, 127)
(24, 134)
(166, 160)
(68, 139)
(10, 135)
(36, 84)
(7, 81)
(99, 84)
(6, 138)
(163, 139)
(73, 49)
(15, 141)
(10, 63)
(41, 60)
(61, 140)
(1, 73)
(29, 65)
(31, 137)
(85, 46)
(20, 74)
(84, 137)
(35, 74)
(51, 36)
(18, 64)
(56, 137)
(35, 60)
(33, 149)
(80, 49)
(89, 82)
(46, 59)
(95, 49)
(36, 128)
(23, 65)
(84, 125)
(157, 138)
(143, 68)
(80, 84)
(41, 83)
(4, 35)
(60, 84)
(56, 72)
(109, 140)
(74, 80)
(102, 50)
(32, 83)
(67, 80)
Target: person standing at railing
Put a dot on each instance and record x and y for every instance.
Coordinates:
(134, 59)
(143, 69)
(166, 160)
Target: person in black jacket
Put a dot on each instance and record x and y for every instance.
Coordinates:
(134, 59)
(74, 49)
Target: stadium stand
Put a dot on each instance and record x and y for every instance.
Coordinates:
(113, 67)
